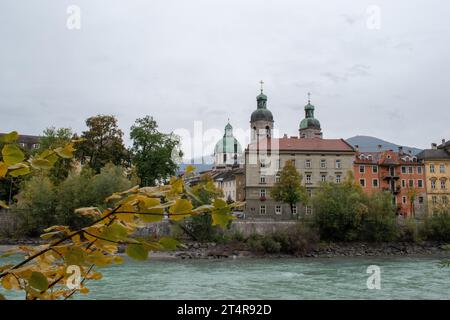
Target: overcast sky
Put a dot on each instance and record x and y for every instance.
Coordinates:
(202, 60)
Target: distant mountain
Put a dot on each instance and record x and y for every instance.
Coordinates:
(370, 144)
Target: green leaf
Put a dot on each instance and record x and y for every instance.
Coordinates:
(137, 251)
(12, 154)
(10, 137)
(169, 243)
(19, 169)
(115, 232)
(74, 256)
(221, 214)
(41, 164)
(38, 281)
(180, 210)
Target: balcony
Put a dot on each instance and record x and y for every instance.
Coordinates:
(390, 176)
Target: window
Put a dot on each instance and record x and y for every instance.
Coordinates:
(308, 163)
(361, 169)
(323, 163)
(22, 145)
(444, 200)
(278, 163)
(375, 183)
(442, 184)
(262, 193)
(374, 169)
(420, 199)
(434, 199)
(262, 164)
(338, 164)
(36, 146)
(277, 209)
(338, 178)
(419, 183)
(308, 210)
(404, 200)
(403, 169)
(293, 162)
(308, 179)
(262, 179)
(323, 178)
(277, 178)
(294, 210)
(442, 168)
(433, 184)
(419, 170)
(403, 183)
(309, 192)
(262, 209)
(362, 182)
(410, 170)
(431, 168)
(411, 183)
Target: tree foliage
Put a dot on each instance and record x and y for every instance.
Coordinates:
(152, 151)
(43, 274)
(289, 189)
(102, 143)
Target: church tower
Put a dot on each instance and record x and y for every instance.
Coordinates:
(228, 151)
(261, 120)
(310, 126)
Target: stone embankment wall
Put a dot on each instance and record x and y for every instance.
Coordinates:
(263, 227)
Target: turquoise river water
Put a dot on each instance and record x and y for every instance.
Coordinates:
(295, 278)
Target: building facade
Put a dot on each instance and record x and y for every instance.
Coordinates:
(399, 173)
(436, 162)
(315, 158)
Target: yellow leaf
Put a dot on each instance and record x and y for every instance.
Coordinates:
(3, 169)
(65, 152)
(3, 204)
(180, 210)
(9, 137)
(41, 164)
(149, 207)
(12, 154)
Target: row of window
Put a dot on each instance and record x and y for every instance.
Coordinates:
(441, 168)
(404, 169)
(323, 178)
(444, 200)
(442, 182)
(308, 163)
(411, 184)
(279, 209)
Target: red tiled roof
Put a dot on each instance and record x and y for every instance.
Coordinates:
(304, 144)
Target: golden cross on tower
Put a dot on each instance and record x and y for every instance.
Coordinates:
(262, 83)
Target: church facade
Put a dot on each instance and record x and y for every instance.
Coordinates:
(316, 159)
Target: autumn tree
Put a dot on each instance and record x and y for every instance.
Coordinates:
(152, 151)
(103, 143)
(289, 189)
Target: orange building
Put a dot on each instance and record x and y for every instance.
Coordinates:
(396, 172)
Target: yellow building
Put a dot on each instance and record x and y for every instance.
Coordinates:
(437, 175)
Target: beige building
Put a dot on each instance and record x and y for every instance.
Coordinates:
(437, 176)
(315, 158)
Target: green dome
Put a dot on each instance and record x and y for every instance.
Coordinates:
(309, 106)
(261, 96)
(310, 123)
(228, 145)
(261, 114)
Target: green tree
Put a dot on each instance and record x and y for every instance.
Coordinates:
(102, 143)
(289, 189)
(152, 151)
(55, 138)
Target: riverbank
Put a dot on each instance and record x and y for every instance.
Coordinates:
(236, 249)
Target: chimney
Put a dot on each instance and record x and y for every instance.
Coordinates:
(443, 141)
(400, 150)
(379, 147)
(434, 146)
(410, 151)
(356, 147)
(285, 136)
